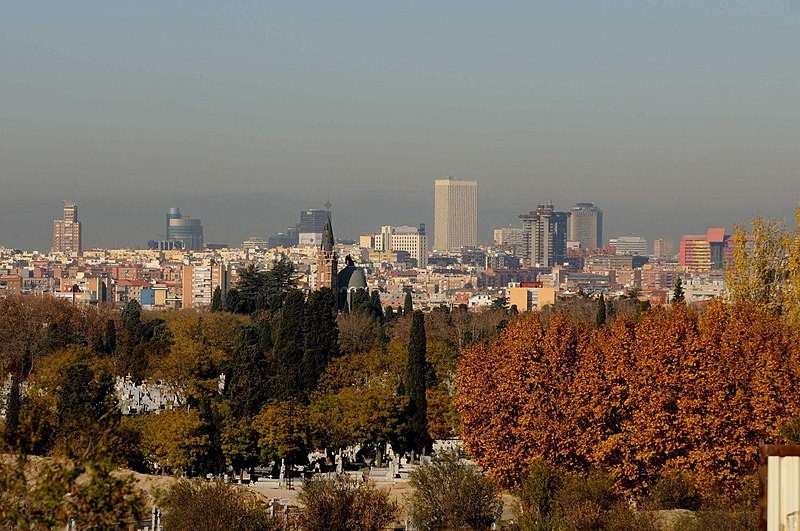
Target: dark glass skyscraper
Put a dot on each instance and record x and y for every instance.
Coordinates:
(312, 223)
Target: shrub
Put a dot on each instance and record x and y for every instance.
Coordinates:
(675, 491)
(536, 496)
(339, 503)
(719, 520)
(192, 505)
(584, 502)
(452, 494)
(549, 501)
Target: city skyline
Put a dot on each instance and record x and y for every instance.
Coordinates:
(140, 238)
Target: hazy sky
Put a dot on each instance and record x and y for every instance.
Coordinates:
(670, 115)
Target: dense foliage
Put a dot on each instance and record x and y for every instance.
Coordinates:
(679, 390)
(297, 376)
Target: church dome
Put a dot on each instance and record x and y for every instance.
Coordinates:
(351, 277)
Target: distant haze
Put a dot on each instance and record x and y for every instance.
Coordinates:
(672, 116)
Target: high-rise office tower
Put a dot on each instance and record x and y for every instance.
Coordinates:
(312, 224)
(545, 236)
(67, 231)
(586, 225)
(455, 214)
(184, 229)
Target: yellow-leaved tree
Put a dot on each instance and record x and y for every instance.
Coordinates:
(765, 268)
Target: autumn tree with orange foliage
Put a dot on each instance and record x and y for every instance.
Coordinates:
(676, 392)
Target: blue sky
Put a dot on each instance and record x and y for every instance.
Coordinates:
(672, 115)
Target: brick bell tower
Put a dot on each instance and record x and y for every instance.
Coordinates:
(327, 260)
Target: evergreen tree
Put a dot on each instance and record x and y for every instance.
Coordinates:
(265, 336)
(408, 305)
(233, 302)
(86, 409)
(216, 300)
(280, 280)
(360, 302)
(110, 337)
(321, 343)
(132, 316)
(12, 413)
(375, 306)
(389, 314)
(601, 311)
(251, 290)
(289, 345)
(677, 294)
(248, 381)
(416, 384)
(500, 303)
(265, 290)
(610, 309)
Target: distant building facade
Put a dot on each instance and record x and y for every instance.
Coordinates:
(254, 243)
(635, 245)
(509, 236)
(290, 238)
(455, 214)
(531, 297)
(187, 230)
(545, 236)
(67, 231)
(705, 252)
(312, 223)
(663, 248)
(200, 281)
(406, 239)
(586, 225)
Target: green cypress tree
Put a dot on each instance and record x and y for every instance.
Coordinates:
(601, 311)
(12, 413)
(289, 346)
(110, 337)
(678, 294)
(321, 343)
(611, 310)
(360, 302)
(233, 302)
(247, 385)
(216, 300)
(265, 336)
(389, 313)
(408, 305)
(416, 385)
(132, 316)
(375, 306)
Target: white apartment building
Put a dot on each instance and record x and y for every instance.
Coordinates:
(412, 240)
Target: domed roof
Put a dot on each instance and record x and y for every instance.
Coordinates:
(351, 277)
